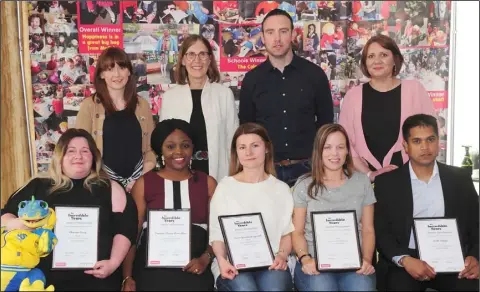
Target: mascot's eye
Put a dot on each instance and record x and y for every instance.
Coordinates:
(44, 205)
(22, 205)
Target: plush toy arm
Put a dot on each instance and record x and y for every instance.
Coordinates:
(46, 241)
(51, 220)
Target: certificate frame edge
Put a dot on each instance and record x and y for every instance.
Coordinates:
(98, 236)
(225, 238)
(148, 236)
(415, 237)
(359, 249)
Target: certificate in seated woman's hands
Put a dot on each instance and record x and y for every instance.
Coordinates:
(247, 241)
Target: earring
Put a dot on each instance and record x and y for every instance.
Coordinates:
(190, 164)
(394, 69)
(163, 161)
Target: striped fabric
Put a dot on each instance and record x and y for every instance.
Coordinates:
(125, 181)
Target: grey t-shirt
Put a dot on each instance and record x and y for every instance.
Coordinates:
(354, 194)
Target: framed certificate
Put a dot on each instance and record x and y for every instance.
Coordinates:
(168, 238)
(77, 231)
(438, 244)
(246, 241)
(335, 241)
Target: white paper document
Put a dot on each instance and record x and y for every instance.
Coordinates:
(77, 231)
(336, 240)
(168, 238)
(439, 245)
(246, 241)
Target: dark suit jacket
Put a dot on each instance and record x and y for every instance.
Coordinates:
(394, 209)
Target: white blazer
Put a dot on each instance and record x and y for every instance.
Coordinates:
(221, 120)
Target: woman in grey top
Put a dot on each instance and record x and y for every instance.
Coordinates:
(332, 185)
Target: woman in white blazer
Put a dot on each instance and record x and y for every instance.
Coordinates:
(207, 105)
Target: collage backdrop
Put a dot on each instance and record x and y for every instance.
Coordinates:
(65, 38)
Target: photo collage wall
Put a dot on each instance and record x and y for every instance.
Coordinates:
(66, 37)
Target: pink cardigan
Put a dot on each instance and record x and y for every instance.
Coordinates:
(414, 100)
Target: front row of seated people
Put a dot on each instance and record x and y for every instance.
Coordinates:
(385, 212)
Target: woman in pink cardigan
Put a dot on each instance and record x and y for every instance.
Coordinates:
(373, 113)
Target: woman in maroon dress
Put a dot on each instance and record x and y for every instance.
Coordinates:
(174, 186)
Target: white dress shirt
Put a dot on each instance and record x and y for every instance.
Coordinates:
(427, 200)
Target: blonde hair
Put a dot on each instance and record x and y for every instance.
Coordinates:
(61, 182)
(251, 128)
(317, 174)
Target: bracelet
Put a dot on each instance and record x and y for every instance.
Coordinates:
(300, 258)
(124, 280)
(208, 255)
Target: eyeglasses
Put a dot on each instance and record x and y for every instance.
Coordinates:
(202, 55)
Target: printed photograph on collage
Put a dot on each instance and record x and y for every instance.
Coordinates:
(338, 89)
(99, 12)
(72, 97)
(210, 32)
(324, 10)
(36, 33)
(61, 22)
(429, 66)
(64, 69)
(47, 132)
(242, 47)
(155, 93)
(42, 97)
(167, 12)
(65, 7)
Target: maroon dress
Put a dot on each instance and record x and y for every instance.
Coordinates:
(190, 194)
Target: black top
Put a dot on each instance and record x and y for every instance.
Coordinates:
(122, 142)
(381, 122)
(197, 121)
(110, 224)
(291, 105)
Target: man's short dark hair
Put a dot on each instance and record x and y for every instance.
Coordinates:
(419, 120)
(278, 12)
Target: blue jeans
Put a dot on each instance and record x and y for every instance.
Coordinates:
(290, 173)
(264, 280)
(333, 281)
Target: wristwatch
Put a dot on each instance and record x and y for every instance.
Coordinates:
(400, 261)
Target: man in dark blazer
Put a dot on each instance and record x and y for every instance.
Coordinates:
(424, 188)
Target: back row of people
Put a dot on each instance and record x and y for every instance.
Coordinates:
(286, 94)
